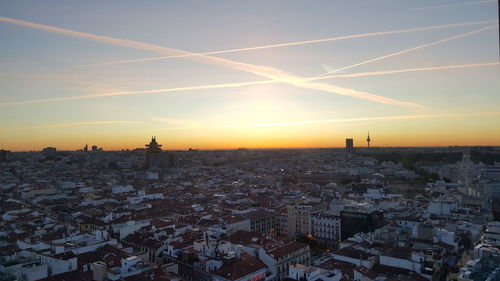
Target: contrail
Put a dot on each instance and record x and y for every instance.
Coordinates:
(268, 72)
(265, 71)
(242, 84)
(413, 49)
(454, 5)
(188, 123)
(344, 120)
(123, 93)
(386, 72)
(61, 125)
(295, 43)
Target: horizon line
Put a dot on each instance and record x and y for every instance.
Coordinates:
(259, 148)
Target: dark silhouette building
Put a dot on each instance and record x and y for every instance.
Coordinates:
(356, 221)
(3, 155)
(49, 150)
(153, 146)
(349, 145)
(156, 158)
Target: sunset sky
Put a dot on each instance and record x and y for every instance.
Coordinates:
(257, 74)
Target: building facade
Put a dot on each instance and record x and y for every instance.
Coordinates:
(299, 218)
(360, 220)
(326, 226)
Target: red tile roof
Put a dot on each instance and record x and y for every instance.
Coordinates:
(241, 268)
(287, 249)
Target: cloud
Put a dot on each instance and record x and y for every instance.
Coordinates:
(264, 71)
(74, 124)
(296, 43)
(242, 84)
(344, 120)
(454, 5)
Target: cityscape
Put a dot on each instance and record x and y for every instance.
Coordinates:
(369, 152)
(353, 213)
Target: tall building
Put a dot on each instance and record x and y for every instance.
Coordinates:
(299, 218)
(325, 226)
(368, 140)
(465, 166)
(262, 221)
(359, 220)
(156, 158)
(3, 155)
(153, 146)
(349, 145)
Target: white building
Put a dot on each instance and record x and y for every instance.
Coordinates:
(141, 196)
(24, 268)
(442, 207)
(311, 273)
(78, 244)
(489, 188)
(234, 223)
(336, 206)
(130, 227)
(492, 234)
(58, 264)
(122, 189)
(129, 267)
(325, 226)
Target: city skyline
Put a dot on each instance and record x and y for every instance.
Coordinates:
(280, 75)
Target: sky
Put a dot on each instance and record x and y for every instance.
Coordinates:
(256, 74)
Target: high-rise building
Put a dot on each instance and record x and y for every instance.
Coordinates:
(153, 146)
(299, 218)
(325, 226)
(360, 220)
(349, 145)
(3, 155)
(465, 166)
(262, 221)
(156, 158)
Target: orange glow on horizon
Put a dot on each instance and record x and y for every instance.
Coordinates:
(385, 131)
(266, 143)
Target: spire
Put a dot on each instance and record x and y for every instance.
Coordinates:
(368, 139)
(153, 146)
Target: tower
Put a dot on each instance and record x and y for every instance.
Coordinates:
(349, 145)
(3, 155)
(465, 167)
(368, 140)
(158, 159)
(153, 146)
